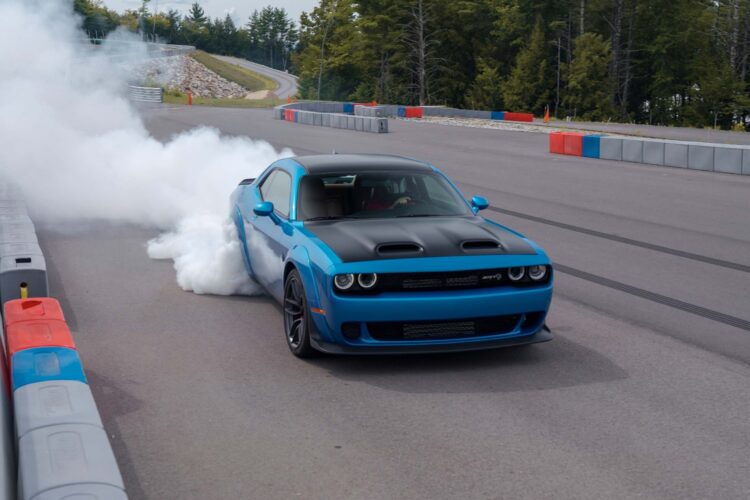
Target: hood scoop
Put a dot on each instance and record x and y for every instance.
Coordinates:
(399, 250)
(481, 246)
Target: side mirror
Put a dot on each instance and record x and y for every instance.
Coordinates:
(479, 203)
(263, 209)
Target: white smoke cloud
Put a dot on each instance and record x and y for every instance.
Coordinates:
(80, 152)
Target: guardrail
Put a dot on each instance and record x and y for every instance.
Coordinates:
(145, 94)
(63, 450)
(724, 158)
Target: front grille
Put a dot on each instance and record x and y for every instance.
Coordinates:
(457, 280)
(449, 329)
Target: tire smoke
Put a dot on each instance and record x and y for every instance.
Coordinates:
(79, 151)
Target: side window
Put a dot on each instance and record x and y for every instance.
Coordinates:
(277, 189)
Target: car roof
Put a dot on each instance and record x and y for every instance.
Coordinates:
(359, 162)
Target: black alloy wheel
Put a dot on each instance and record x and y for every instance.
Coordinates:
(296, 317)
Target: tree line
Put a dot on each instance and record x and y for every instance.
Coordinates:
(670, 62)
(676, 62)
(268, 37)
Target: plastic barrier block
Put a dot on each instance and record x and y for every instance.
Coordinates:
(700, 157)
(610, 148)
(519, 117)
(746, 162)
(653, 152)
(348, 108)
(17, 210)
(29, 270)
(31, 334)
(18, 233)
(295, 117)
(497, 115)
(632, 150)
(728, 159)
(289, 115)
(54, 403)
(382, 125)
(359, 123)
(43, 308)
(401, 112)
(414, 112)
(572, 143)
(675, 154)
(351, 123)
(591, 146)
(557, 143)
(85, 491)
(65, 455)
(43, 364)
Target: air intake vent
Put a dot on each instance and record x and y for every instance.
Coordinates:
(480, 245)
(398, 249)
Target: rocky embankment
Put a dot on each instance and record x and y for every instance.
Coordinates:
(188, 75)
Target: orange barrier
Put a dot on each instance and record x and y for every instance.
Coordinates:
(557, 143)
(41, 308)
(413, 112)
(518, 117)
(566, 143)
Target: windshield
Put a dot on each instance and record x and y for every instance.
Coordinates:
(377, 195)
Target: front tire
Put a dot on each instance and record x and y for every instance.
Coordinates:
(297, 317)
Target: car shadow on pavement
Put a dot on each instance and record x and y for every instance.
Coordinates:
(559, 363)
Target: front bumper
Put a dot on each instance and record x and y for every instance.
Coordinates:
(543, 335)
(530, 304)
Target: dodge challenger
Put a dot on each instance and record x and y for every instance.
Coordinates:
(383, 254)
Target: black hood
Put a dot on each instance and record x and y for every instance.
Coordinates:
(373, 239)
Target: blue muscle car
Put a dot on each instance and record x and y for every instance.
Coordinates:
(382, 254)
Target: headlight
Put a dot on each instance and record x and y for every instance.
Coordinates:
(516, 273)
(367, 280)
(343, 281)
(537, 273)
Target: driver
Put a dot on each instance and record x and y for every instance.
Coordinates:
(380, 200)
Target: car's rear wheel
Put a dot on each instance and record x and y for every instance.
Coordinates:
(297, 317)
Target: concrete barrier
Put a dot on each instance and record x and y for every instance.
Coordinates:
(675, 154)
(728, 159)
(724, 158)
(654, 152)
(701, 156)
(610, 148)
(632, 150)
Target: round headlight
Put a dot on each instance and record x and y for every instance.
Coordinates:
(516, 273)
(367, 280)
(343, 281)
(537, 273)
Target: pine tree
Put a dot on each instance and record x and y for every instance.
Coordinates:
(587, 92)
(528, 87)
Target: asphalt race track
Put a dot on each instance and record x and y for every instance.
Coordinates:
(644, 393)
(286, 82)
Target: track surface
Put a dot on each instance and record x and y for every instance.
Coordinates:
(644, 393)
(286, 83)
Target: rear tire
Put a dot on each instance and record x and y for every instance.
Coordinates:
(297, 319)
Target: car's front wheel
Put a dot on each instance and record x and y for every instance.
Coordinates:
(297, 317)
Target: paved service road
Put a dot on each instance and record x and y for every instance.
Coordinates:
(286, 82)
(644, 393)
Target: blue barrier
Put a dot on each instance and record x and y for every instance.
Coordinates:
(497, 115)
(43, 364)
(401, 112)
(592, 146)
(349, 108)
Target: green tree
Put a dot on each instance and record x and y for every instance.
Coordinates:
(528, 87)
(484, 93)
(588, 92)
(197, 15)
